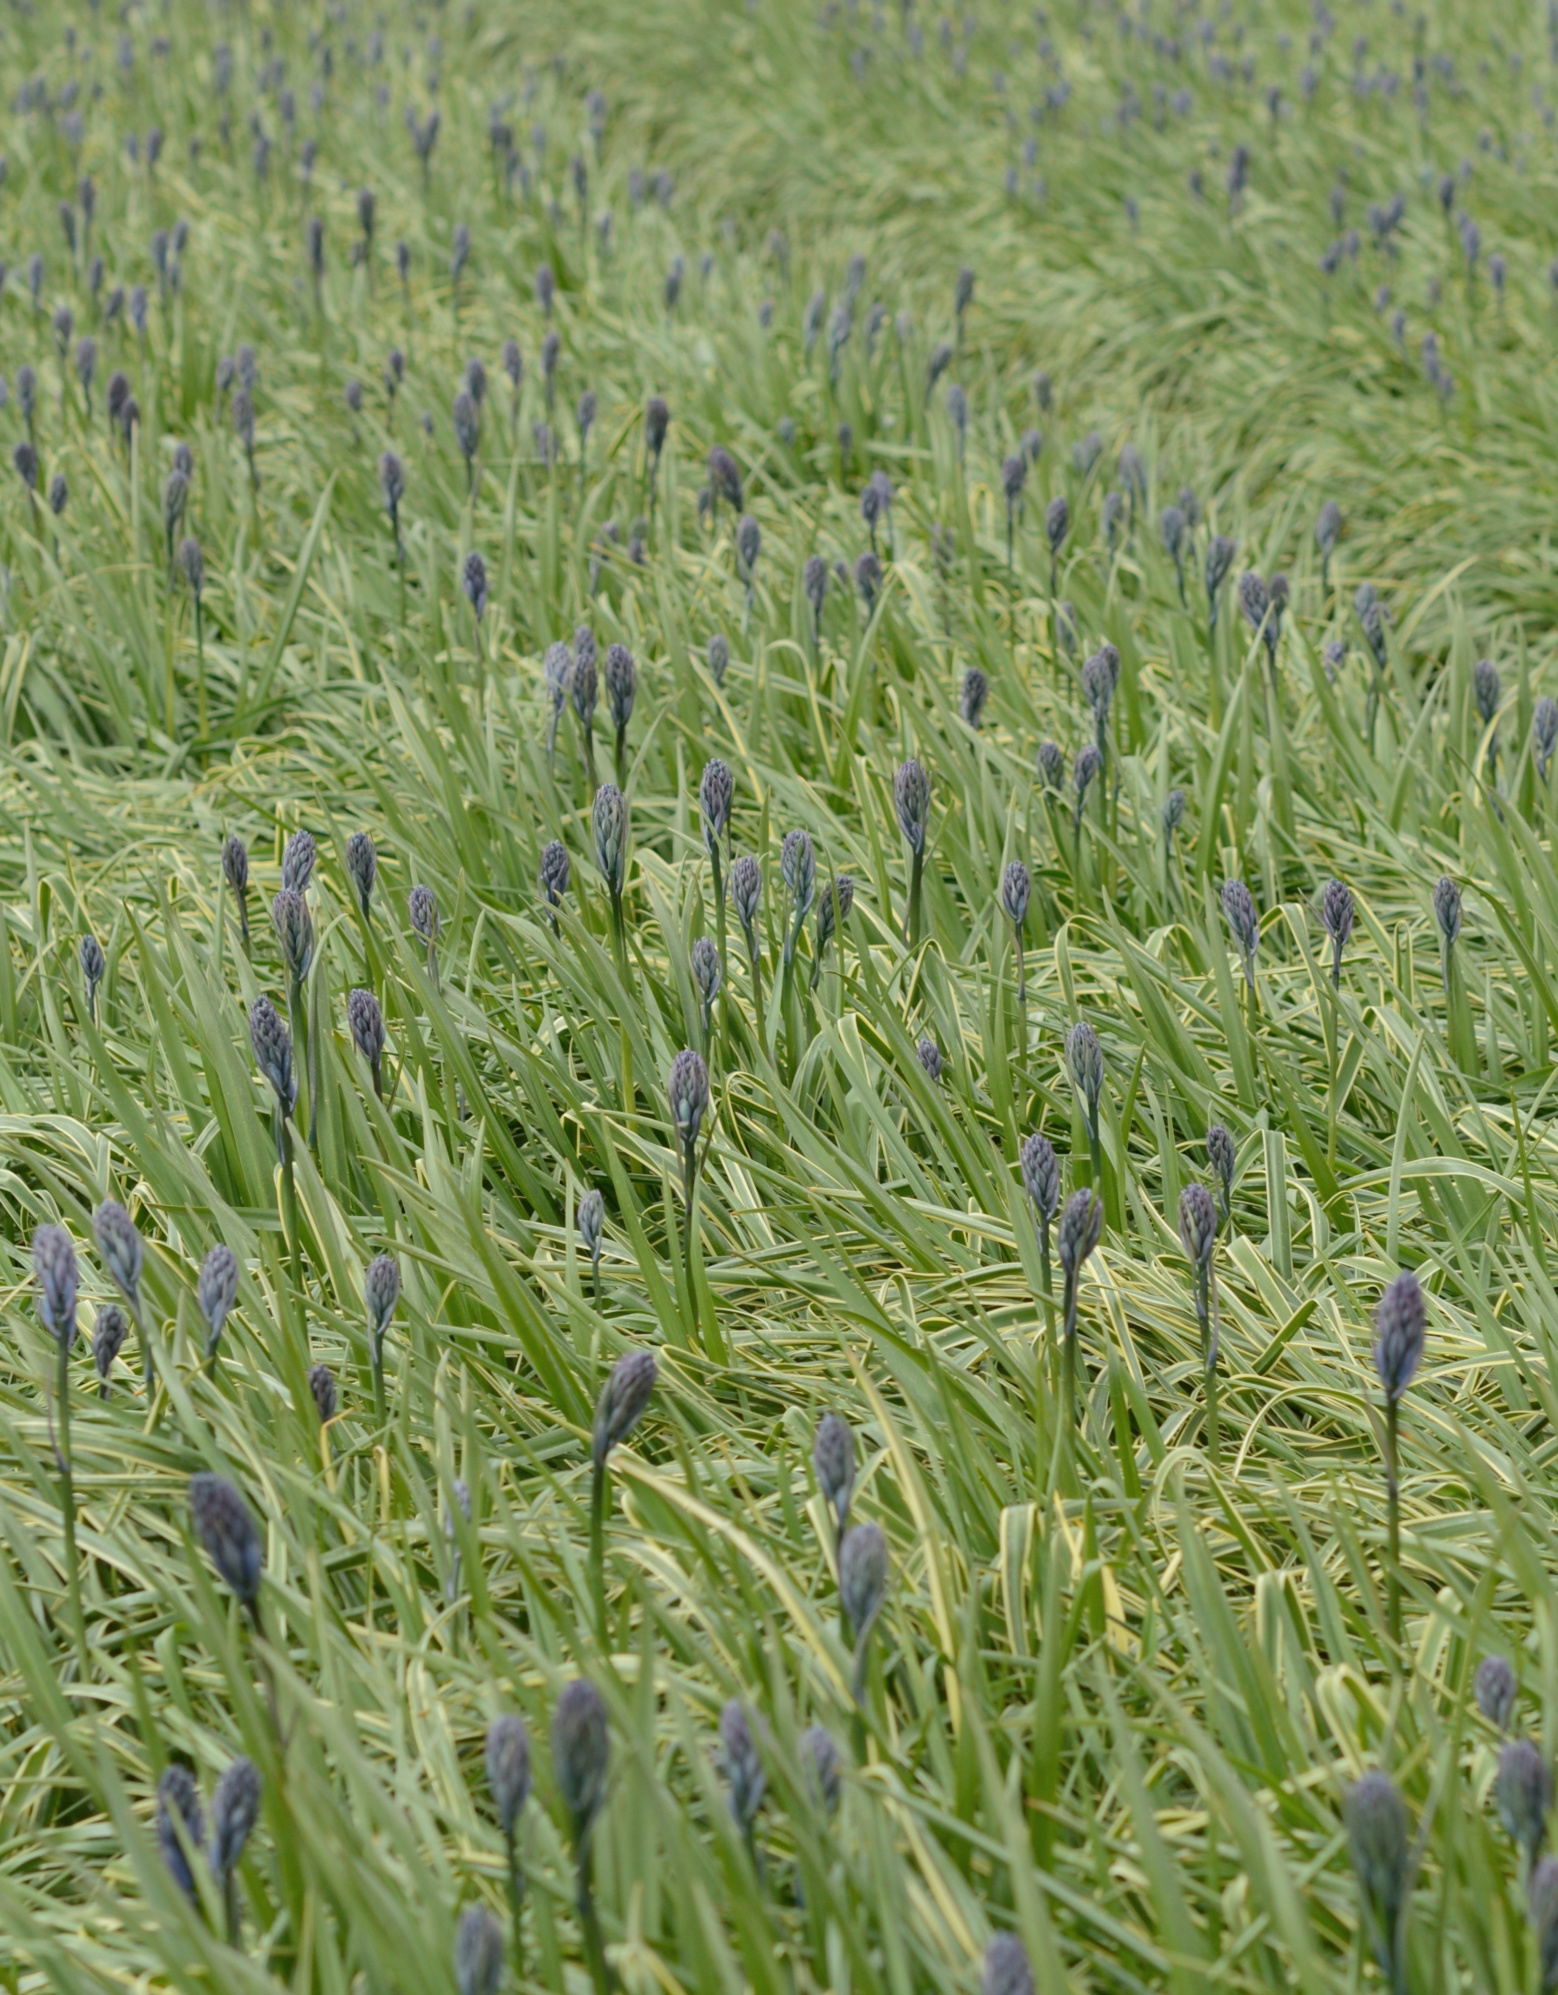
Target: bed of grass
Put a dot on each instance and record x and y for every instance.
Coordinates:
(1128, 1664)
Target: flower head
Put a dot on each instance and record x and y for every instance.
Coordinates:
(1399, 1331)
(120, 1244)
(581, 1753)
(217, 1291)
(227, 1531)
(508, 1768)
(627, 1392)
(863, 1575)
(235, 1808)
(833, 1463)
(911, 803)
(54, 1267)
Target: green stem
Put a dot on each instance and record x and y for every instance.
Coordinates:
(148, 1357)
(309, 999)
(289, 1202)
(598, 1548)
(376, 1360)
(1393, 1505)
(689, 1212)
(911, 934)
(68, 1514)
(757, 985)
(200, 670)
(589, 1922)
(516, 1883)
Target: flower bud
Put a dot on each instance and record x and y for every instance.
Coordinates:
(609, 821)
(362, 868)
(621, 684)
(1041, 1175)
(911, 802)
(1016, 887)
(715, 790)
(1006, 1969)
(555, 870)
(54, 1265)
(367, 1026)
(508, 1769)
(581, 1753)
(108, 1335)
(217, 1291)
(297, 862)
(478, 1952)
(1544, 733)
(798, 867)
(322, 1387)
(235, 865)
(1378, 1835)
(1081, 1229)
(1399, 1326)
(1336, 912)
(294, 932)
(1220, 1155)
(227, 1531)
(863, 1575)
(178, 1809)
(591, 1222)
(1447, 909)
(380, 1293)
(1243, 922)
(92, 967)
(746, 891)
(627, 1392)
(122, 1249)
(1085, 1058)
(706, 970)
(930, 1057)
(422, 908)
(820, 1758)
(272, 1045)
(1098, 686)
(1197, 1225)
(688, 1089)
(235, 1808)
(1523, 1788)
(833, 1464)
(1486, 689)
(743, 1764)
(1495, 1689)
(583, 680)
(1219, 559)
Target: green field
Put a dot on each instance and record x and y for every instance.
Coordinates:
(1112, 442)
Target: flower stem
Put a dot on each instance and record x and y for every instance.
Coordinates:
(516, 1884)
(68, 1511)
(1393, 1509)
(594, 1944)
(598, 1548)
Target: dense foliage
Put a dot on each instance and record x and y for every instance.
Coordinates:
(778, 951)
